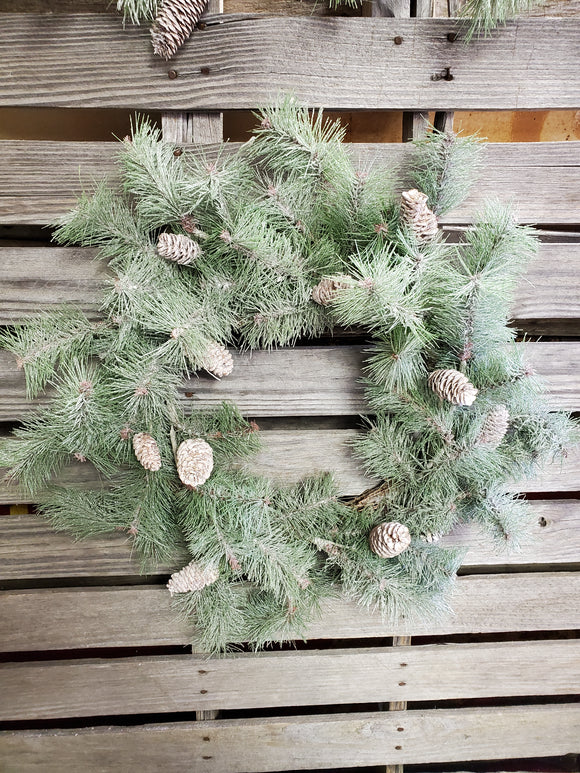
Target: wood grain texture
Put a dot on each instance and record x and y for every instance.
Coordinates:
(131, 616)
(148, 685)
(31, 549)
(304, 381)
(40, 181)
(35, 279)
(241, 61)
(237, 745)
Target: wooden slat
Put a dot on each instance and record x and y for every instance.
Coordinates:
(40, 181)
(234, 746)
(129, 616)
(241, 61)
(84, 688)
(306, 381)
(38, 278)
(31, 549)
(289, 455)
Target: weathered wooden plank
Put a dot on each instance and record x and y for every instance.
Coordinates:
(233, 746)
(289, 455)
(31, 549)
(38, 278)
(40, 181)
(129, 616)
(148, 685)
(85, 60)
(306, 381)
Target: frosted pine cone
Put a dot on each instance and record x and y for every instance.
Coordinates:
(327, 290)
(218, 360)
(147, 451)
(494, 427)
(453, 386)
(417, 215)
(194, 462)
(192, 577)
(389, 539)
(174, 24)
(179, 248)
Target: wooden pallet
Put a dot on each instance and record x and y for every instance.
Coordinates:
(96, 672)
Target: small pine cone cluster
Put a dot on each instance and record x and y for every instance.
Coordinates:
(417, 215)
(174, 24)
(389, 539)
(327, 290)
(453, 385)
(194, 460)
(218, 361)
(191, 578)
(147, 451)
(494, 427)
(178, 248)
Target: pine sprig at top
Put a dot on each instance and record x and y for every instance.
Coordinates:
(283, 240)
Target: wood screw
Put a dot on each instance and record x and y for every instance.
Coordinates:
(398, 40)
(172, 75)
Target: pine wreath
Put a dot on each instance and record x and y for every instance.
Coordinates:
(293, 241)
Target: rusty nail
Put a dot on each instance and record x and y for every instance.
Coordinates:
(400, 729)
(177, 152)
(398, 40)
(402, 684)
(452, 37)
(398, 748)
(172, 75)
(204, 70)
(403, 665)
(203, 692)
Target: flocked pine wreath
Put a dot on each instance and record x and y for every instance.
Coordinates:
(282, 241)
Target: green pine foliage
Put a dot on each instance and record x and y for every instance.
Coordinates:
(272, 220)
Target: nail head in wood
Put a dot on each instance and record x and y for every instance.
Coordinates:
(204, 70)
(398, 40)
(178, 152)
(172, 75)
(201, 25)
(452, 37)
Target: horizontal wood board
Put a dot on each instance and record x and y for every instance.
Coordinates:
(35, 279)
(234, 746)
(304, 381)
(137, 685)
(40, 181)
(131, 616)
(31, 549)
(240, 61)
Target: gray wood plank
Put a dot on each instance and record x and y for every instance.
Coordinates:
(40, 181)
(241, 61)
(130, 616)
(149, 685)
(35, 279)
(305, 381)
(289, 455)
(30, 549)
(234, 746)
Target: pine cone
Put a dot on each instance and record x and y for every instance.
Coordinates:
(191, 577)
(147, 451)
(178, 248)
(327, 290)
(494, 427)
(417, 215)
(174, 24)
(218, 360)
(453, 386)
(389, 539)
(430, 536)
(194, 462)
